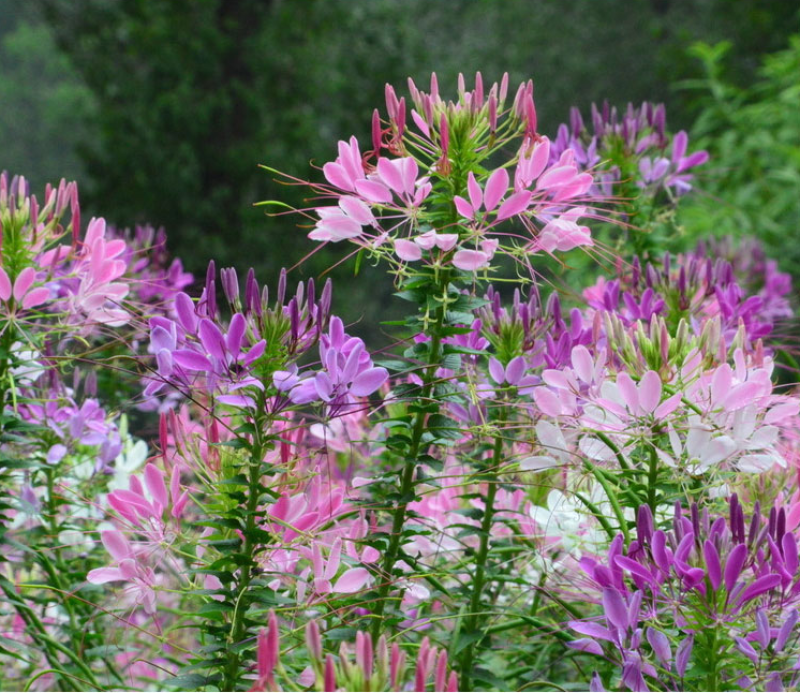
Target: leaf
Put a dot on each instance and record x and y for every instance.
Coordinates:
(192, 682)
(393, 365)
(341, 634)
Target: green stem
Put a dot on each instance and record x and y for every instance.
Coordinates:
(592, 508)
(652, 479)
(37, 631)
(238, 625)
(411, 461)
(483, 554)
(612, 498)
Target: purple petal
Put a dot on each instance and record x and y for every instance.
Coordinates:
(786, 630)
(615, 608)
(191, 360)
(759, 587)
(235, 337)
(212, 339)
(635, 568)
(660, 644)
(256, 352)
(733, 566)
(790, 558)
(683, 654)
(497, 371)
(161, 339)
(586, 645)
(368, 381)
(746, 649)
(712, 564)
(515, 369)
(184, 309)
(593, 630)
(660, 555)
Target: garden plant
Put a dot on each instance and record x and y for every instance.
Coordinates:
(573, 465)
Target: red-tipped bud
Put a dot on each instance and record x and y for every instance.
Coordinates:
(396, 665)
(314, 640)
(268, 648)
(391, 101)
(376, 133)
(163, 436)
(452, 683)
(492, 113)
(434, 86)
(478, 90)
(503, 88)
(400, 121)
(440, 682)
(329, 678)
(444, 134)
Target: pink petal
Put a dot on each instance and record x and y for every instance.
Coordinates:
(516, 204)
(100, 576)
(407, 250)
(470, 260)
(679, 143)
(35, 298)
(446, 241)
(586, 645)
(496, 187)
(337, 176)
(116, 544)
(629, 393)
(463, 207)
(515, 369)
(23, 282)
(408, 171)
(389, 171)
(334, 558)
(427, 240)
(352, 581)
(357, 210)
(539, 159)
(474, 190)
(582, 363)
(373, 191)
(556, 176)
(547, 402)
(650, 392)
(667, 406)
(5, 285)
(154, 480)
(338, 228)
(96, 230)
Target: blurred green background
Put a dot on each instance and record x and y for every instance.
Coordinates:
(162, 109)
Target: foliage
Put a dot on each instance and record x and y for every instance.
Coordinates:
(753, 186)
